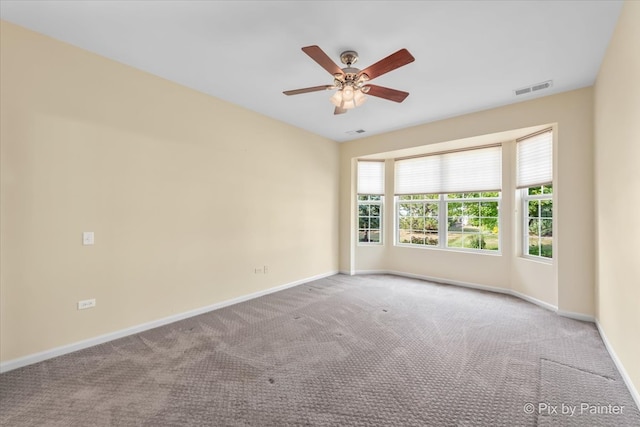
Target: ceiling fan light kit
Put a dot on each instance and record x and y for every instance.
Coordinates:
(348, 98)
(352, 83)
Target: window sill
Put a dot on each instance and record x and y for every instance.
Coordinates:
(539, 260)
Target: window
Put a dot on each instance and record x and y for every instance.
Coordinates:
(535, 181)
(472, 220)
(450, 200)
(538, 211)
(370, 201)
(418, 219)
(369, 219)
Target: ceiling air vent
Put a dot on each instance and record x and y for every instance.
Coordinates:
(355, 132)
(534, 88)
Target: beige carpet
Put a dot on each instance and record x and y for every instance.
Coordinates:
(570, 396)
(341, 351)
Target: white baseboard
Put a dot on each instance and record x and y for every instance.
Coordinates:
(543, 304)
(535, 301)
(360, 272)
(450, 282)
(618, 363)
(69, 348)
(577, 316)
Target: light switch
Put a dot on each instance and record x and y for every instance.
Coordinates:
(87, 238)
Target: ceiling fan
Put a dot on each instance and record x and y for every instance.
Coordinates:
(352, 83)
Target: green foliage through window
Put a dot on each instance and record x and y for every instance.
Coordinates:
(369, 219)
(472, 220)
(418, 219)
(538, 202)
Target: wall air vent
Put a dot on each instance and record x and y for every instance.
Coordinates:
(534, 88)
(355, 132)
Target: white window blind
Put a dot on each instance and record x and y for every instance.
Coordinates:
(461, 171)
(370, 177)
(535, 160)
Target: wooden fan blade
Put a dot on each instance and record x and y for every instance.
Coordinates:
(386, 93)
(322, 59)
(390, 63)
(308, 89)
(339, 110)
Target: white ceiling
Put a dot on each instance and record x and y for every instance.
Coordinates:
(470, 55)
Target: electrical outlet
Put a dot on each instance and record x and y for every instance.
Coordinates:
(265, 269)
(88, 238)
(87, 303)
(258, 271)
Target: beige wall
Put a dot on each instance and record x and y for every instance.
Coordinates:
(569, 283)
(187, 194)
(617, 182)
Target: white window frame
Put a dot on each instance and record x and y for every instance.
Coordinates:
(380, 204)
(525, 198)
(443, 232)
(396, 227)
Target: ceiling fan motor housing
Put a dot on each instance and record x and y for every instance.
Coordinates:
(351, 77)
(349, 57)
